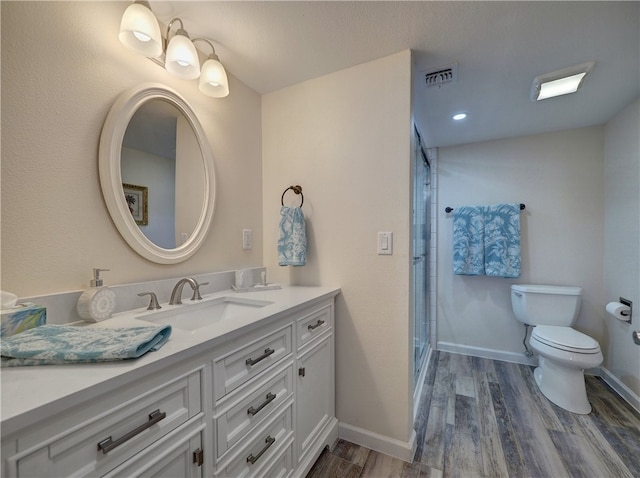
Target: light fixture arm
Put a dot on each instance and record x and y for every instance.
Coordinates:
(179, 31)
(213, 54)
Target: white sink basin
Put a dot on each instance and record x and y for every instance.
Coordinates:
(195, 315)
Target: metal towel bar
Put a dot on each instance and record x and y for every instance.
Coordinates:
(450, 209)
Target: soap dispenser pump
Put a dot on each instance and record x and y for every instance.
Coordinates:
(98, 302)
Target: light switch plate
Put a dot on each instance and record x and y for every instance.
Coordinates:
(385, 243)
(247, 239)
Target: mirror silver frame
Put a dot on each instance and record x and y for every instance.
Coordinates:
(109, 155)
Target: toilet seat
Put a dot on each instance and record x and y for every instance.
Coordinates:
(565, 338)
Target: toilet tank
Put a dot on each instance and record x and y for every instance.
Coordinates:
(545, 304)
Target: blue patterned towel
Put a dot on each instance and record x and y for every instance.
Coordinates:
(502, 240)
(292, 243)
(468, 240)
(64, 344)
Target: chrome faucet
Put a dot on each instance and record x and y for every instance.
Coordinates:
(176, 295)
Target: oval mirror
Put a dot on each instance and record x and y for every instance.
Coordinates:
(157, 173)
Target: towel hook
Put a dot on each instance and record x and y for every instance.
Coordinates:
(295, 189)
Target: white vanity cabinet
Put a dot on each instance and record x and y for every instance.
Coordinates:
(254, 401)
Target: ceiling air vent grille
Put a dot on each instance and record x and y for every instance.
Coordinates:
(440, 76)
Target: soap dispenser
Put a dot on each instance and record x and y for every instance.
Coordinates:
(98, 302)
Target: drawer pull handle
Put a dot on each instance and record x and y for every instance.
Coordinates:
(316, 325)
(266, 353)
(270, 398)
(269, 441)
(108, 444)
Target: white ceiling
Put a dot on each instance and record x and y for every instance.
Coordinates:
(499, 47)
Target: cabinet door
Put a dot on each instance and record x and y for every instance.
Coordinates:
(315, 400)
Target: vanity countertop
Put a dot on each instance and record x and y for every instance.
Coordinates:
(30, 394)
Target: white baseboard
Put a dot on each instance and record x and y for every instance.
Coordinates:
(503, 355)
(621, 389)
(382, 444)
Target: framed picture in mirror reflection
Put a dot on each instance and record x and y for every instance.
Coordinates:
(137, 201)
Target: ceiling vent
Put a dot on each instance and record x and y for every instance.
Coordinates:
(442, 75)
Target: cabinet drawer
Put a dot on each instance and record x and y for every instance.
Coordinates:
(281, 466)
(107, 439)
(232, 423)
(314, 324)
(174, 455)
(232, 370)
(262, 449)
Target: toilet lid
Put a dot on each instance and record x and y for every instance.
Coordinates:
(565, 338)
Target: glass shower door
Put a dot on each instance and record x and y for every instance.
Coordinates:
(421, 245)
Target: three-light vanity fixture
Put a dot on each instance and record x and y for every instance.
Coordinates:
(140, 32)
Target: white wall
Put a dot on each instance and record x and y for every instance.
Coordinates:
(622, 242)
(158, 174)
(345, 138)
(559, 176)
(62, 69)
(190, 184)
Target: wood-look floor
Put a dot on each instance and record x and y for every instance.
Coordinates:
(486, 418)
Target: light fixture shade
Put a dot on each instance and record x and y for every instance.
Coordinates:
(182, 58)
(213, 79)
(560, 82)
(140, 32)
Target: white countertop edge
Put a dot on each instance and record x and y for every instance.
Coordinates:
(33, 393)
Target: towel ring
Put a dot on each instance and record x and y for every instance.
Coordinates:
(295, 189)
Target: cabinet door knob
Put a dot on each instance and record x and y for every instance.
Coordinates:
(301, 371)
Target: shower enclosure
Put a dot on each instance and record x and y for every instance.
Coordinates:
(421, 247)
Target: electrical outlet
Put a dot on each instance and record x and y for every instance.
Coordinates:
(247, 239)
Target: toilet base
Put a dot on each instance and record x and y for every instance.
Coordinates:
(562, 385)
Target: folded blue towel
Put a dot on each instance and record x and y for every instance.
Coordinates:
(468, 240)
(63, 344)
(292, 243)
(502, 240)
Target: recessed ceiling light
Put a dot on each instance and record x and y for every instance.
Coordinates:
(459, 116)
(560, 82)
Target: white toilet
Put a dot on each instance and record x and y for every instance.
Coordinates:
(563, 353)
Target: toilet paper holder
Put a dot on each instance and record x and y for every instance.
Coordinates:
(628, 303)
